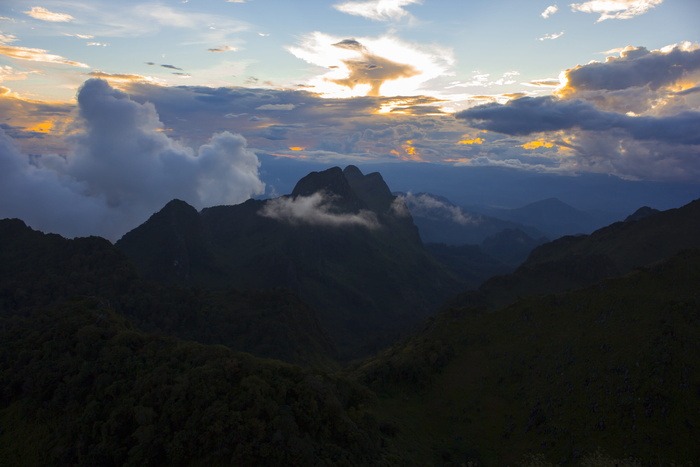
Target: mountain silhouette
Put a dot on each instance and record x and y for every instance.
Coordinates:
(576, 261)
(340, 240)
(553, 217)
(40, 270)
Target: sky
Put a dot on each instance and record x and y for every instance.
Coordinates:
(108, 110)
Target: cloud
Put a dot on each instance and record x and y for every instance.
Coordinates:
(276, 107)
(43, 198)
(378, 10)
(79, 36)
(427, 205)
(639, 81)
(119, 76)
(546, 82)
(616, 9)
(549, 11)
(529, 115)
(635, 116)
(223, 48)
(316, 209)
(371, 66)
(551, 36)
(37, 55)
(587, 138)
(123, 169)
(5, 38)
(43, 14)
(636, 66)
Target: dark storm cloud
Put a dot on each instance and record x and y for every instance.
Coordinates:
(635, 67)
(544, 114)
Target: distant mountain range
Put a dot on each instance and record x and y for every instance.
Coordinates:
(164, 349)
(553, 217)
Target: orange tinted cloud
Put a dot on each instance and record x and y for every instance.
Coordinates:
(37, 55)
(43, 14)
(537, 144)
(472, 141)
(119, 76)
(43, 127)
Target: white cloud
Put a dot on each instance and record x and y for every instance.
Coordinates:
(122, 170)
(379, 10)
(37, 55)
(549, 11)
(551, 36)
(80, 36)
(5, 38)
(43, 14)
(427, 205)
(316, 209)
(616, 9)
(371, 66)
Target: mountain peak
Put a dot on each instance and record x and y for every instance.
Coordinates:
(641, 213)
(331, 180)
(352, 172)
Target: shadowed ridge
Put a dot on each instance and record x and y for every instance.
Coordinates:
(170, 244)
(571, 262)
(641, 213)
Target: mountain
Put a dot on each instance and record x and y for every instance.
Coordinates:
(39, 270)
(641, 213)
(441, 221)
(340, 240)
(586, 355)
(576, 261)
(603, 375)
(553, 217)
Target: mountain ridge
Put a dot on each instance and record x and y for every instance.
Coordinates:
(341, 241)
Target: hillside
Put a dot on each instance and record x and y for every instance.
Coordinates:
(81, 386)
(575, 261)
(39, 270)
(612, 369)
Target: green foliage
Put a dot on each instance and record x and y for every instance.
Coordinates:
(613, 366)
(82, 387)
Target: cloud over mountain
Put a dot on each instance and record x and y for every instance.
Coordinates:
(316, 209)
(430, 206)
(123, 168)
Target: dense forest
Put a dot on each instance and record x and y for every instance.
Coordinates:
(587, 354)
